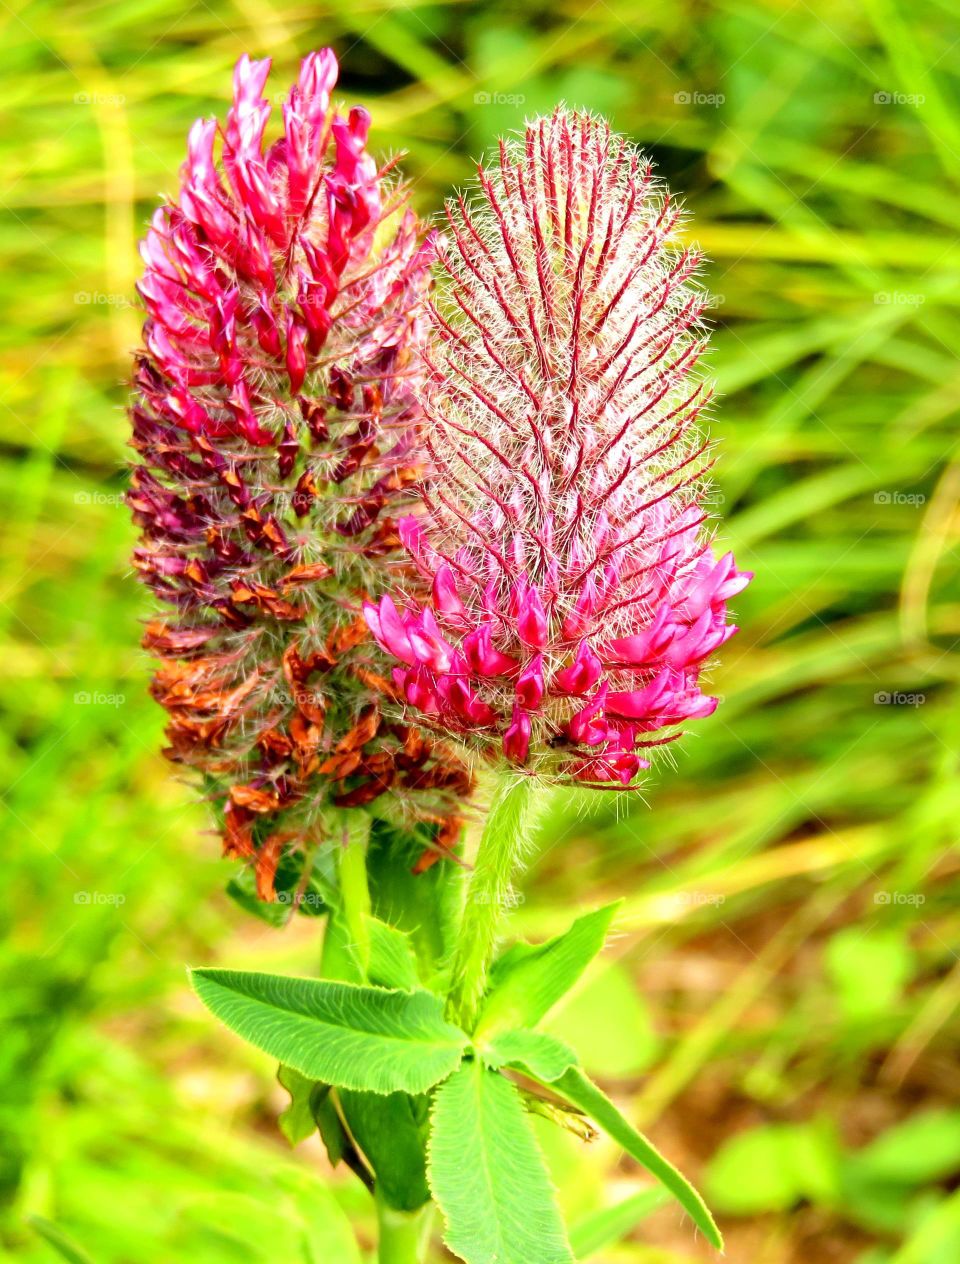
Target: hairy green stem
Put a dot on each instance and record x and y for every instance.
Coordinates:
(503, 842)
(354, 888)
(404, 1236)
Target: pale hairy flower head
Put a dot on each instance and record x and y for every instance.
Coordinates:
(573, 594)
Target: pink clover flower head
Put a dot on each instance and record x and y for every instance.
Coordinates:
(566, 596)
(275, 423)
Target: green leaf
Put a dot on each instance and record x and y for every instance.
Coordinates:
(386, 958)
(327, 1231)
(527, 981)
(240, 890)
(772, 1168)
(608, 1024)
(884, 1210)
(291, 1217)
(339, 1146)
(869, 970)
(330, 1126)
(297, 1122)
(488, 1176)
(391, 1132)
(576, 1088)
(293, 895)
(921, 1149)
(612, 1224)
(393, 962)
(343, 1034)
(934, 1234)
(55, 1237)
(426, 906)
(545, 1057)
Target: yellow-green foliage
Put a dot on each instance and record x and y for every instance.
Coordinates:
(819, 146)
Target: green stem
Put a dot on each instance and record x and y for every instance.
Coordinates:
(489, 894)
(354, 889)
(404, 1236)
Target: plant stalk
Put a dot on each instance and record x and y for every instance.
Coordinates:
(504, 840)
(354, 888)
(404, 1236)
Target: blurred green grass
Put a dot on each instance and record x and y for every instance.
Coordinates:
(791, 919)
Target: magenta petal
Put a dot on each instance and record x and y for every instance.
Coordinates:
(249, 78)
(386, 625)
(582, 674)
(414, 540)
(482, 658)
(646, 645)
(735, 584)
(693, 644)
(446, 599)
(371, 616)
(697, 706)
(304, 114)
(588, 724)
(420, 692)
(622, 768)
(530, 686)
(640, 704)
(471, 709)
(578, 622)
(427, 643)
(532, 620)
(296, 355)
(516, 739)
